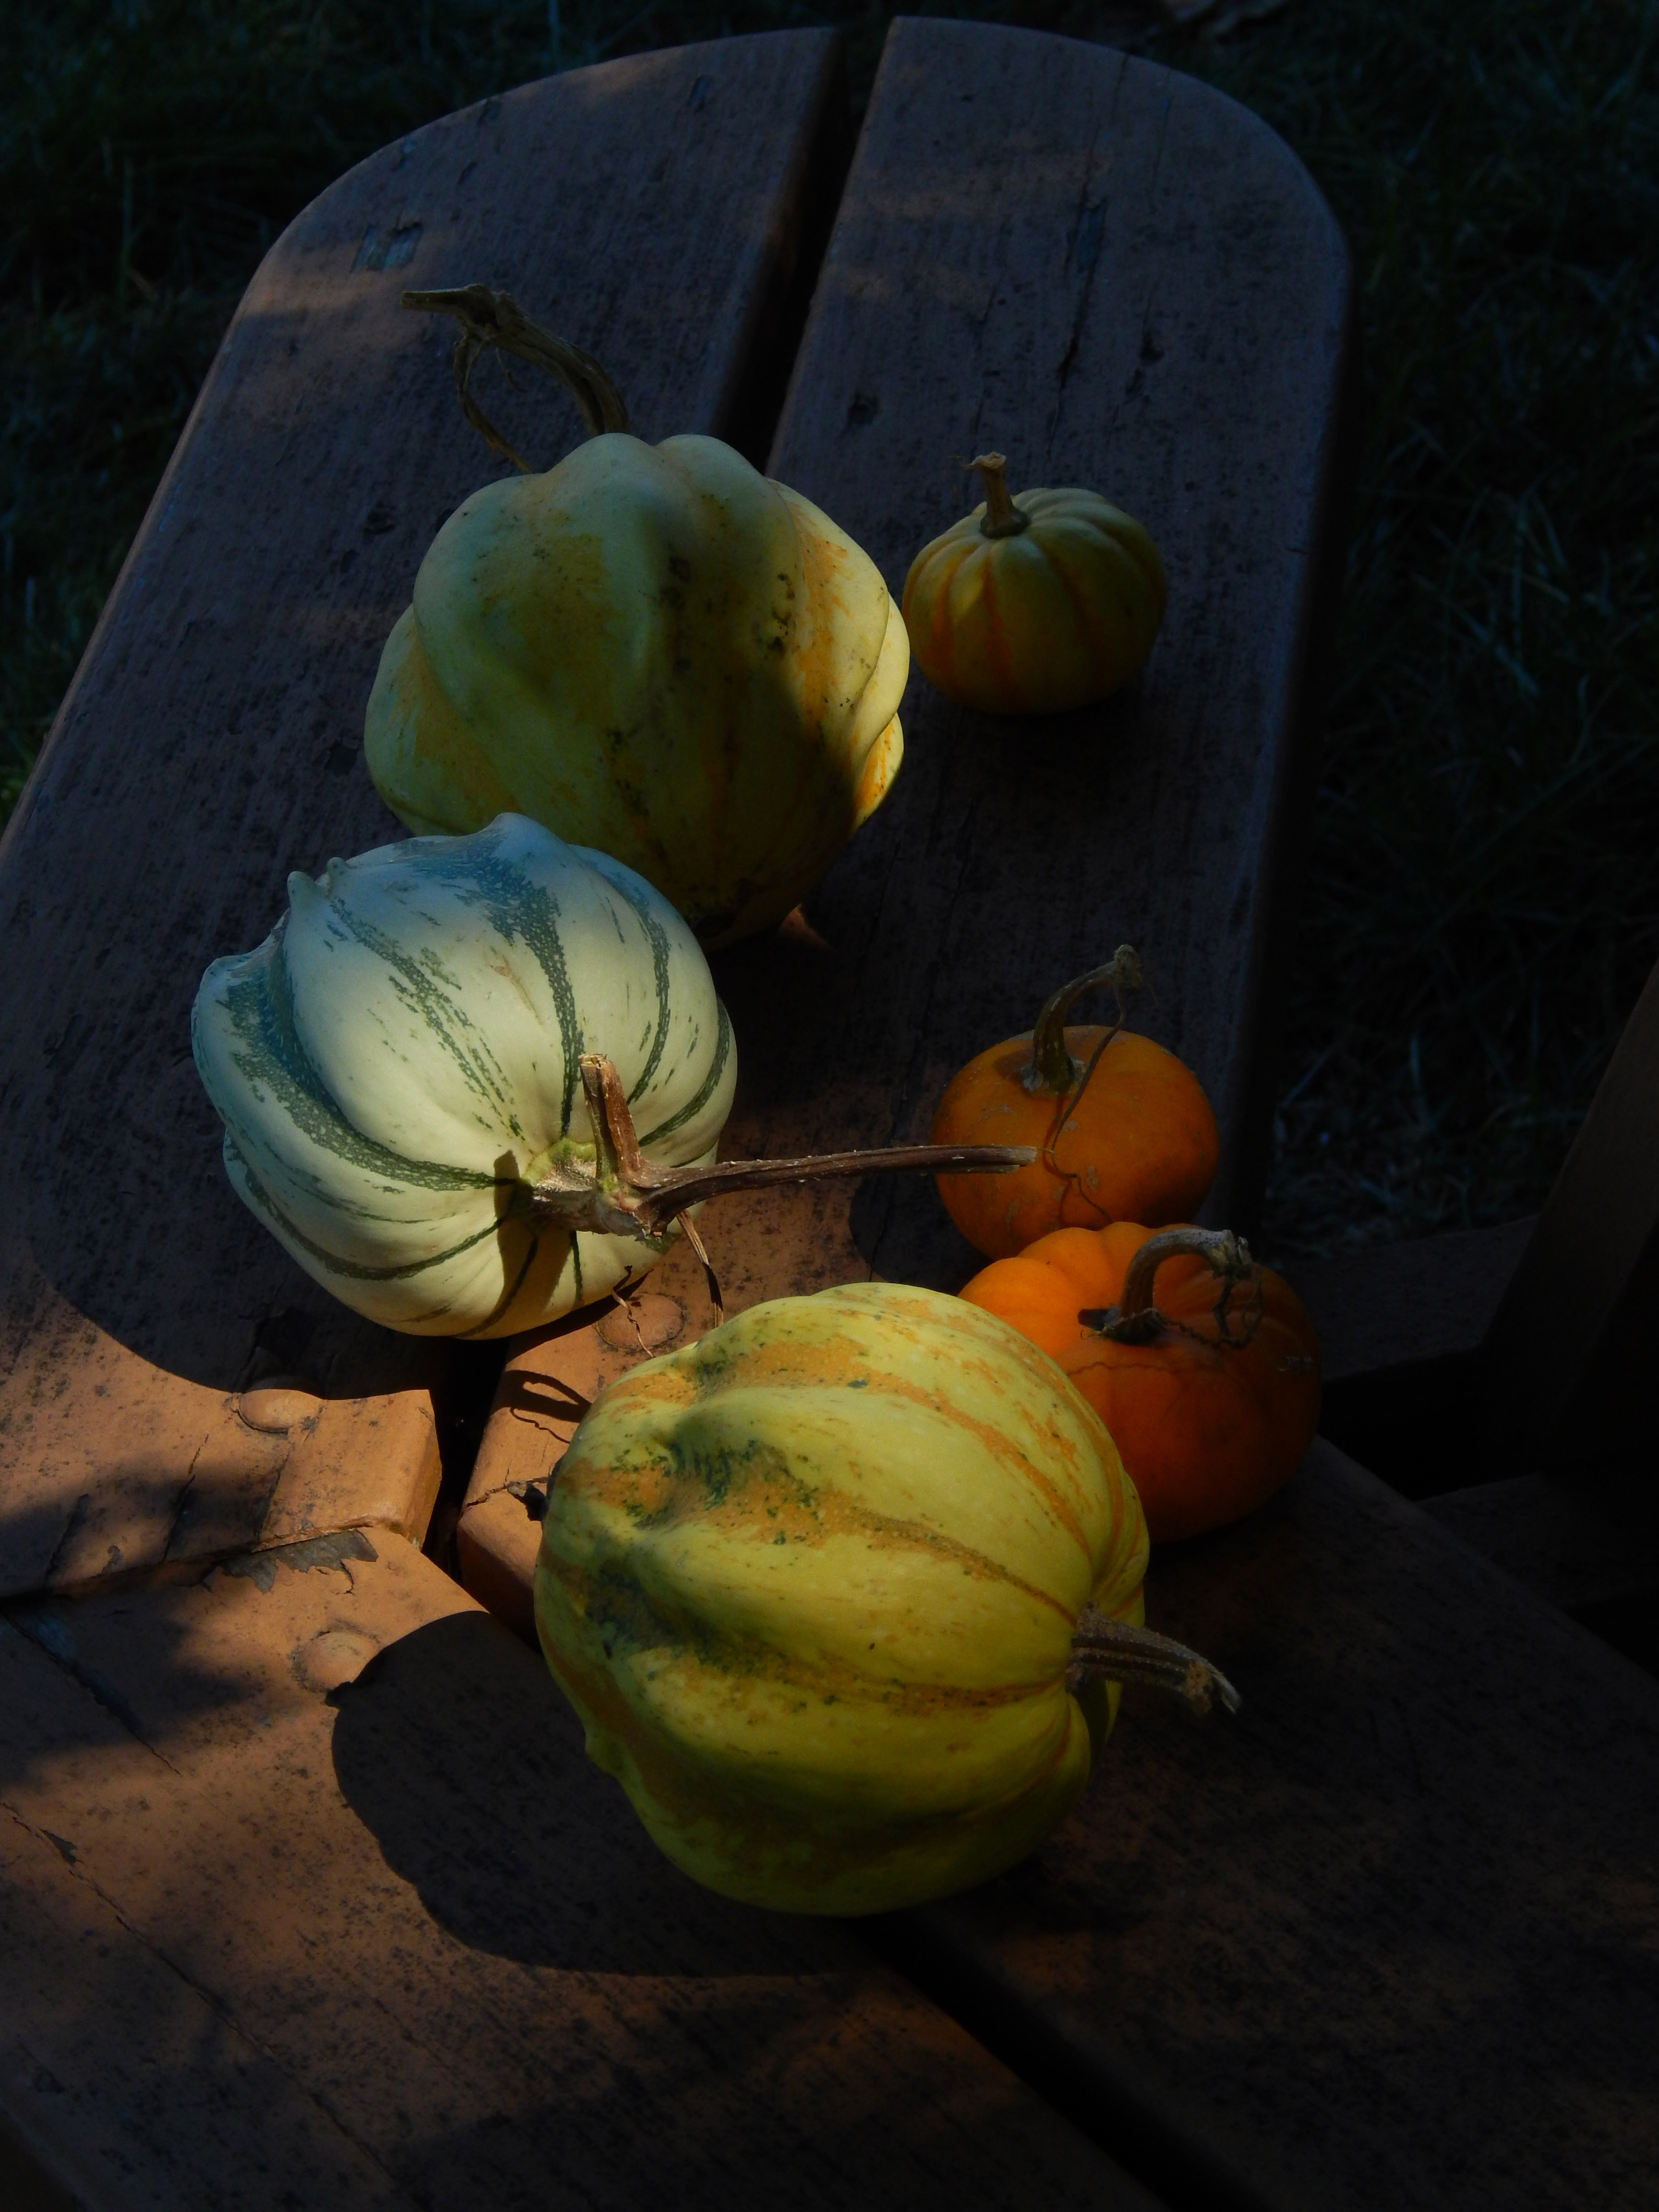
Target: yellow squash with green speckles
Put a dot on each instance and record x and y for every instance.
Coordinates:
(656, 652)
(812, 1585)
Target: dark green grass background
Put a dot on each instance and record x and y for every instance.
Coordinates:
(1484, 898)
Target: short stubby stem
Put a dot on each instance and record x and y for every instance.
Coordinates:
(1002, 518)
(1116, 1652)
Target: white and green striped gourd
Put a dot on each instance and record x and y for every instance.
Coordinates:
(397, 1070)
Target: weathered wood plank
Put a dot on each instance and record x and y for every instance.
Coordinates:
(271, 1940)
(547, 1384)
(653, 207)
(1574, 1546)
(1401, 1328)
(1387, 1939)
(124, 2086)
(1120, 278)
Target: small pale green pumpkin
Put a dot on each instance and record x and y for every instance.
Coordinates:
(398, 1070)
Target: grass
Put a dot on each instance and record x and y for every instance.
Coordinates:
(1483, 904)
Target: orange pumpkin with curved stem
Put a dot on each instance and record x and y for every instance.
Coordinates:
(1124, 1130)
(1210, 1389)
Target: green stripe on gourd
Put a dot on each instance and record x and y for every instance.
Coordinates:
(269, 1055)
(711, 1083)
(397, 1068)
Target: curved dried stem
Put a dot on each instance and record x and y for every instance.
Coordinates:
(1053, 1068)
(1136, 1319)
(494, 320)
(1116, 1651)
(688, 1229)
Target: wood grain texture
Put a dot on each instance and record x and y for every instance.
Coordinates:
(211, 742)
(140, 1472)
(313, 1898)
(1121, 279)
(1386, 1938)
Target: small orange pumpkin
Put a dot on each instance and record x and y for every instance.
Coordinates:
(1034, 604)
(1211, 1394)
(1124, 1129)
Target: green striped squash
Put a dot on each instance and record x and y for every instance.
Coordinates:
(812, 1584)
(396, 1067)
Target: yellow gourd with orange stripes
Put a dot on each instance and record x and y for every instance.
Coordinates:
(1034, 604)
(812, 1585)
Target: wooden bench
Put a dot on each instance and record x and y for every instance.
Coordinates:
(236, 1969)
(312, 1895)
(270, 1940)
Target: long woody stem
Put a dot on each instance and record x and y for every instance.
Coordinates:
(1002, 518)
(495, 320)
(679, 1189)
(625, 1192)
(1116, 1651)
(1053, 1068)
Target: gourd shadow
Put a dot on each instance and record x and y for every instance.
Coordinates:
(1010, 854)
(458, 1752)
(1054, 745)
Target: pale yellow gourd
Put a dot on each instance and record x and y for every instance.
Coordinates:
(656, 652)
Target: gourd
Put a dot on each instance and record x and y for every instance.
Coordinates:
(1034, 604)
(825, 1589)
(429, 1074)
(1203, 1365)
(398, 1067)
(653, 650)
(1123, 1130)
